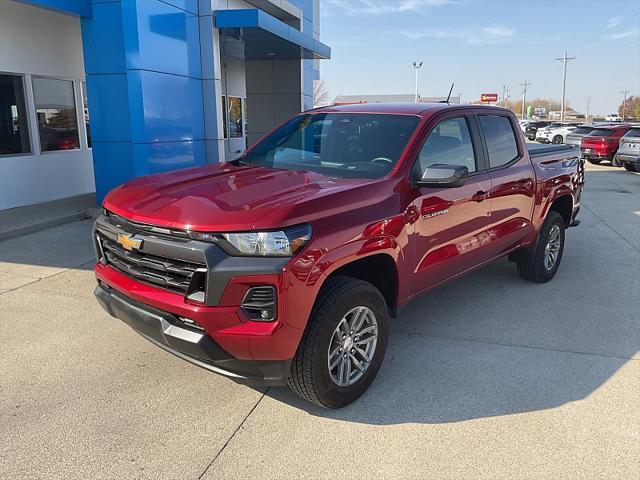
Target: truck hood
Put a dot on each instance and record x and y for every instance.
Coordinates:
(224, 197)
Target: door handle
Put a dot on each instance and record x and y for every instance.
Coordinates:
(524, 183)
(411, 214)
(479, 196)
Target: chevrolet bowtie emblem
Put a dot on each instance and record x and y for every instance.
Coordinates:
(128, 242)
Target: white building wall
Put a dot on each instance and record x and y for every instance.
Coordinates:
(38, 42)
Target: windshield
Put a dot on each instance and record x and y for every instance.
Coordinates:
(633, 133)
(355, 145)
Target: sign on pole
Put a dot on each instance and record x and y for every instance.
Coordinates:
(489, 97)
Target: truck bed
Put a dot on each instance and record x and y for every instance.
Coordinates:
(539, 150)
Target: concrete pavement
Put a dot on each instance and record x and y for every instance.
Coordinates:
(486, 377)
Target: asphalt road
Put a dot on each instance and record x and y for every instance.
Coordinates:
(486, 377)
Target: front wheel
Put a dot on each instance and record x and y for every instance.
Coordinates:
(543, 262)
(344, 344)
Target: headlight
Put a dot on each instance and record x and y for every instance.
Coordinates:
(280, 243)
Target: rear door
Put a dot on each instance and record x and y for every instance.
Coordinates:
(512, 183)
(451, 228)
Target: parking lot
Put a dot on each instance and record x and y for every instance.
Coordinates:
(486, 377)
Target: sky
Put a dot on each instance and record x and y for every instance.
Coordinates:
(481, 45)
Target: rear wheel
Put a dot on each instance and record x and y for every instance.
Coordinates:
(594, 161)
(344, 344)
(542, 263)
(630, 167)
(557, 139)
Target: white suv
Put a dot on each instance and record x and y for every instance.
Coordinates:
(613, 117)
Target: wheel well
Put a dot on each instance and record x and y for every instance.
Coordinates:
(564, 206)
(379, 270)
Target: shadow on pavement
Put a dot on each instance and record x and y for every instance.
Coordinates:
(484, 346)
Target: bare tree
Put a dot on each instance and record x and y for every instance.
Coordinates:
(320, 94)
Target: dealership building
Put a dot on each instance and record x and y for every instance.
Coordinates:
(96, 92)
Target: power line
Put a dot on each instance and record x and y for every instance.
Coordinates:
(624, 104)
(564, 61)
(524, 96)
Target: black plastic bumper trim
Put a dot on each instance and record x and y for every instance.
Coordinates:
(193, 346)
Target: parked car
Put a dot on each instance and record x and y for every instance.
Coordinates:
(602, 143)
(285, 265)
(574, 137)
(613, 117)
(523, 124)
(628, 154)
(531, 129)
(555, 134)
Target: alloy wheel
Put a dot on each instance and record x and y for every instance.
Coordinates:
(352, 346)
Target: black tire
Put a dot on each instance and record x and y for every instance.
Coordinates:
(532, 266)
(630, 167)
(557, 139)
(309, 375)
(594, 161)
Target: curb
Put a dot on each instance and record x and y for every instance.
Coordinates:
(54, 222)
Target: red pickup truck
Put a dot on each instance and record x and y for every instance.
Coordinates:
(286, 265)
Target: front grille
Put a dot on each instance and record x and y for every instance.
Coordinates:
(135, 227)
(171, 274)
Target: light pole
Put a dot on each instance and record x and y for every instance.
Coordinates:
(524, 95)
(416, 66)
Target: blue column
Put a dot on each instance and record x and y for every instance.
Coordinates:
(144, 79)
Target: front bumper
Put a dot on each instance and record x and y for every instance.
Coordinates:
(191, 344)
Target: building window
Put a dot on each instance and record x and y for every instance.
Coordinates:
(234, 114)
(85, 109)
(56, 114)
(14, 131)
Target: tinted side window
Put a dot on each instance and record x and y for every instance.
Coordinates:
(449, 143)
(501, 141)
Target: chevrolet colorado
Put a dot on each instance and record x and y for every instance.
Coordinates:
(285, 265)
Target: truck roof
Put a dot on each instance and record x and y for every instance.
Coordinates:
(400, 108)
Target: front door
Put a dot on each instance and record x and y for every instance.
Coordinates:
(451, 231)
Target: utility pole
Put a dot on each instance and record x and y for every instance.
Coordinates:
(524, 96)
(416, 66)
(564, 61)
(624, 105)
(586, 116)
(504, 94)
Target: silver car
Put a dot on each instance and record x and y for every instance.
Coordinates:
(628, 154)
(574, 138)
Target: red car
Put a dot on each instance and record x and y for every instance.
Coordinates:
(286, 265)
(602, 143)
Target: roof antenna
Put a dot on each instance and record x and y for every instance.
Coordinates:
(448, 96)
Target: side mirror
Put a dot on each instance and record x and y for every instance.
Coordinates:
(439, 176)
